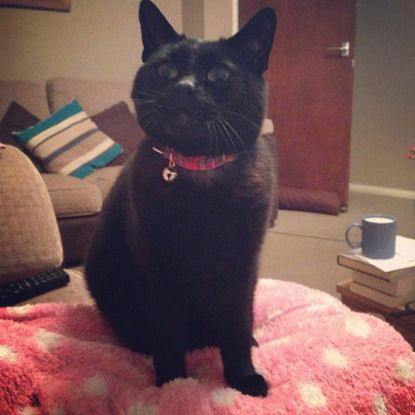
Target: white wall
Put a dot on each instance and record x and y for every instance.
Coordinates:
(98, 39)
(219, 18)
(210, 19)
(383, 127)
(193, 18)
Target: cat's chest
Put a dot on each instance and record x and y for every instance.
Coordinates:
(188, 199)
(219, 194)
(193, 199)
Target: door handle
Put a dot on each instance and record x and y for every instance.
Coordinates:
(343, 49)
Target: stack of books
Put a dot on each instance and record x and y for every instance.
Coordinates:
(388, 282)
(392, 288)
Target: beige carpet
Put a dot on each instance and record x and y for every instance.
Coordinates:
(303, 246)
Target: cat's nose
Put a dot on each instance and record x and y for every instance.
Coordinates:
(186, 87)
(188, 81)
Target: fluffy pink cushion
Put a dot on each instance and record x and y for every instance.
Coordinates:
(317, 355)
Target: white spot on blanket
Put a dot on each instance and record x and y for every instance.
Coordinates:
(358, 327)
(183, 381)
(335, 358)
(274, 313)
(58, 410)
(21, 310)
(266, 282)
(46, 339)
(315, 308)
(405, 370)
(224, 397)
(142, 408)
(28, 411)
(7, 354)
(280, 341)
(259, 332)
(380, 405)
(96, 386)
(312, 395)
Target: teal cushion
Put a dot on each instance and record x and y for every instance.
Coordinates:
(69, 142)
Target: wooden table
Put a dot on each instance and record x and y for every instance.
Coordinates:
(405, 325)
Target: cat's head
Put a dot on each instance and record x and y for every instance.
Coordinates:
(202, 97)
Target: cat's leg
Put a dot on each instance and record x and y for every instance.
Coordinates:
(166, 326)
(236, 347)
(239, 371)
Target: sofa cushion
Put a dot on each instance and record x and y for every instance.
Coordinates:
(121, 125)
(69, 142)
(72, 196)
(31, 95)
(29, 235)
(18, 118)
(94, 96)
(76, 234)
(104, 178)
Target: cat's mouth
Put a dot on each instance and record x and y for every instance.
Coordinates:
(183, 116)
(189, 119)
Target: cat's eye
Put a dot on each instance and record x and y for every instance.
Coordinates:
(168, 70)
(218, 73)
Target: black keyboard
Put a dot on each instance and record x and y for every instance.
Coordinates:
(15, 292)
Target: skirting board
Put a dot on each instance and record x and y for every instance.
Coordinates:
(382, 191)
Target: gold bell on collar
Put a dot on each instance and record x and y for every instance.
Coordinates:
(170, 173)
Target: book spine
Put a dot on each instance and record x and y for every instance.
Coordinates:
(394, 288)
(355, 264)
(374, 295)
(380, 297)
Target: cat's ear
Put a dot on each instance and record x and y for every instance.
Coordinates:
(155, 29)
(254, 41)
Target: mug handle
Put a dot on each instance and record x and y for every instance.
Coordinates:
(351, 244)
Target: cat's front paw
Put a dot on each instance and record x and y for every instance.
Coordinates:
(253, 384)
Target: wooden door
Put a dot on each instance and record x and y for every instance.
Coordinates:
(310, 96)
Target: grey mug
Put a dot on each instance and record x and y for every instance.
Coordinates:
(378, 236)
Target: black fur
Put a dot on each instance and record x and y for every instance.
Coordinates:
(173, 264)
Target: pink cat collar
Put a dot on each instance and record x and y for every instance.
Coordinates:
(196, 163)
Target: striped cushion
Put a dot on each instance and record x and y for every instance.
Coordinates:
(69, 142)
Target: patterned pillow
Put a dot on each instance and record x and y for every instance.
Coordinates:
(69, 142)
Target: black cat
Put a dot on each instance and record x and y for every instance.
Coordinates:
(173, 263)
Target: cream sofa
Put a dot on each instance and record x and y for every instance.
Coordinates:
(76, 202)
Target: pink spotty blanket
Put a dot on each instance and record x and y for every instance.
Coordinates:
(318, 357)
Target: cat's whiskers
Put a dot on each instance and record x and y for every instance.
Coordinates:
(221, 133)
(140, 92)
(228, 137)
(237, 114)
(143, 102)
(143, 97)
(211, 129)
(217, 132)
(236, 135)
